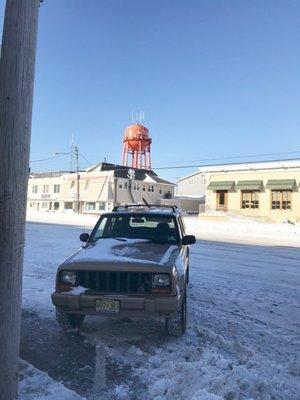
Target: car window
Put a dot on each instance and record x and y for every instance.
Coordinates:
(157, 228)
(100, 229)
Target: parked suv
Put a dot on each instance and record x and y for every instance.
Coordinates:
(135, 263)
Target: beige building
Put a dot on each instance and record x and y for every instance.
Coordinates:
(263, 189)
(101, 187)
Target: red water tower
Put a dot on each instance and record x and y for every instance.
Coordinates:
(136, 147)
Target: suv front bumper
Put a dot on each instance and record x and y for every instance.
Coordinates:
(131, 306)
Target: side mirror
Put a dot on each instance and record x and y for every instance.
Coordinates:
(84, 237)
(188, 239)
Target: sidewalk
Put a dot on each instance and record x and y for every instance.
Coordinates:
(35, 384)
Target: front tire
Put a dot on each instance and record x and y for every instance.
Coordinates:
(176, 324)
(68, 321)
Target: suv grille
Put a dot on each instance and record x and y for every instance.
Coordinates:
(115, 282)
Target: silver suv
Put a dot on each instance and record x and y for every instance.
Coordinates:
(135, 263)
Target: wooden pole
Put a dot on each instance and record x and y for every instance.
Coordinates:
(16, 91)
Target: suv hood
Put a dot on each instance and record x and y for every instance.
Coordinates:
(130, 251)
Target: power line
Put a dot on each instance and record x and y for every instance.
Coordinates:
(184, 166)
(207, 165)
(89, 162)
(231, 158)
(47, 159)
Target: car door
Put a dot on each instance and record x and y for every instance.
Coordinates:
(184, 253)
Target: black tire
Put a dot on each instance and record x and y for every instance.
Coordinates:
(176, 324)
(68, 321)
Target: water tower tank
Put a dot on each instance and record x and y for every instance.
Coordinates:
(137, 137)
(136, 143)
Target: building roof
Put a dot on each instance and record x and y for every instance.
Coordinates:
(251, 165)
(51, 174)
(121, 171)
(189, 175)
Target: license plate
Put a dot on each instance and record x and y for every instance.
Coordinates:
(108, 306)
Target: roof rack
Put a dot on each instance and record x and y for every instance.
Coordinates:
(126, 206)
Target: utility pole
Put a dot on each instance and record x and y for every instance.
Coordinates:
(17, 66)
(76, 152)
(131, 176)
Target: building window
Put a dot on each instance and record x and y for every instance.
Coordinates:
(168, 195)
(56, 188)
(152, 188)
(44, 205)
(136, 186)
(160, 191)
(46, 189)
(250, 199)
(68, 205)
(72, 184)
(101, 206)
(90, 206)
(281, 199)
(34, 189)
(56, 205)
(120, 184)
(144, 188)
(125, 185)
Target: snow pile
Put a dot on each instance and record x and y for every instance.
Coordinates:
(76, 291)
(243, 229)
(110, 249)
(204, 365)
(35, 384)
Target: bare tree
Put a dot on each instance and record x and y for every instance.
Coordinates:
(16, 91)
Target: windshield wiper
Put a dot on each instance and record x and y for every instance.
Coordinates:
(108, 237)
(145, 240)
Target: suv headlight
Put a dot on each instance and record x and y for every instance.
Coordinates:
(161, 280)
(68, 277)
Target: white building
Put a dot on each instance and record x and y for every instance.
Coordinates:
(192, 185)
(101, 187)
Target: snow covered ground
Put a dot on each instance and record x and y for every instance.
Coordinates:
(35, 384)
(67, 218)
(243, 333)
(245, 230)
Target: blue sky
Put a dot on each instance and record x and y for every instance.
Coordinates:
(215, 78)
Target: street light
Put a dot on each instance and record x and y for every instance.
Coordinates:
(75, 152)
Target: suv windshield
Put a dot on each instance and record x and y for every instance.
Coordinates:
(157, 228)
